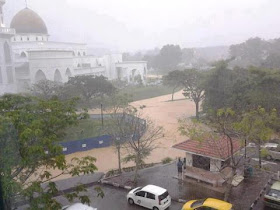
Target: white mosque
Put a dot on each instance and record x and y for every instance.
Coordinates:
(27, 56)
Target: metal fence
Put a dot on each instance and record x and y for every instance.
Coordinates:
(95, 142)
(86, 144)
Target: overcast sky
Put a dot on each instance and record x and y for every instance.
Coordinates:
(130, 25)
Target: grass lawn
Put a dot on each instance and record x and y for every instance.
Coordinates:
(140, 93)
(86, 129)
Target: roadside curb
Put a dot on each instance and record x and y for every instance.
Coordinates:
(261, 193)
(114, 184)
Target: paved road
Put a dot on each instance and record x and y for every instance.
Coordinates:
(115, 199)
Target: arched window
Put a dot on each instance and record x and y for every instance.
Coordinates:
(68, 73)
(21, 38)
(7, 53)
(84, 53)
(79, 54)
(23, 55)
(27, 38)
(57, 76)
(78, 65)
(40, 76)
(36, 38)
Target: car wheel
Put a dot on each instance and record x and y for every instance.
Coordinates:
(155, 208)
(269, 157)
(130, 201)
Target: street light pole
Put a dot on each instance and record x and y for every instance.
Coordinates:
(102, 115)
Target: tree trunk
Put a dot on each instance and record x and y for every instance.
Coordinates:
(136, 168)
(197, 110)
(260, 158)
(229, 185)
(119, 159)
(173, 94)
(7, 204)
(1, 196)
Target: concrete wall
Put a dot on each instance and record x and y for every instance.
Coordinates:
(7, 70)
(51, 63)
(189, 159)
(29, 38)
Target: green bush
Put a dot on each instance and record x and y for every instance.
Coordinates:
(166, 160)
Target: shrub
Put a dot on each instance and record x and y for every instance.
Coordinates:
(166, 160)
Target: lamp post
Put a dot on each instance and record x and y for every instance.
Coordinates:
(102, 115)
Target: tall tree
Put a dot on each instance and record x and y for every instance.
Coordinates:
(218, 86)
(174, 79)
(169, 57)
(250, 53)
(194, 87)
(257, 126)
(89, 87)
(138, 137)
(30, 155)
(118, 110)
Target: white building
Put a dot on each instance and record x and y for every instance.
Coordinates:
(7, 69)
(36, 58)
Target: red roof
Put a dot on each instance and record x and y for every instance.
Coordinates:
(213, 148)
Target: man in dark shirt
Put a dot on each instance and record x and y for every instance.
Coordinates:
(180, 168)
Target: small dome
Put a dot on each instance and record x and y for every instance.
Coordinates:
(28, 22)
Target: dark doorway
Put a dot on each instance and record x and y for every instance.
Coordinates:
(201, 162)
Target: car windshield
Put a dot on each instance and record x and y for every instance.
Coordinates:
(163, 196)
(197, 203)
(138, 189)
(274, 193)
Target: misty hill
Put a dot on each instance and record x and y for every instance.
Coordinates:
(212, 53)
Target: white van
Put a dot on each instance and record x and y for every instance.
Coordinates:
(150, 196)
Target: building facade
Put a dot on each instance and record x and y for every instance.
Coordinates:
(27, 56)
(7, 68)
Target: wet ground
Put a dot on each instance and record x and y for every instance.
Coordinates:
(242, 196)
(163, 176)
(115, 199)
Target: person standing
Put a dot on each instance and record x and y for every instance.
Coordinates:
(180, 168)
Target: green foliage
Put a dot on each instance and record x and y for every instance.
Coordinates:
(90, 87)
(194, 87)
(256, 125)
(257, 52)
(30, 129)
(167, 59)
(241, 89)
(166, 160)
(174, 79)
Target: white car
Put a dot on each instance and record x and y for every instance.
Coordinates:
(150, 196)
(78, 206)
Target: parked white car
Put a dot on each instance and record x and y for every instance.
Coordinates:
(150, 196)
(78, 206)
